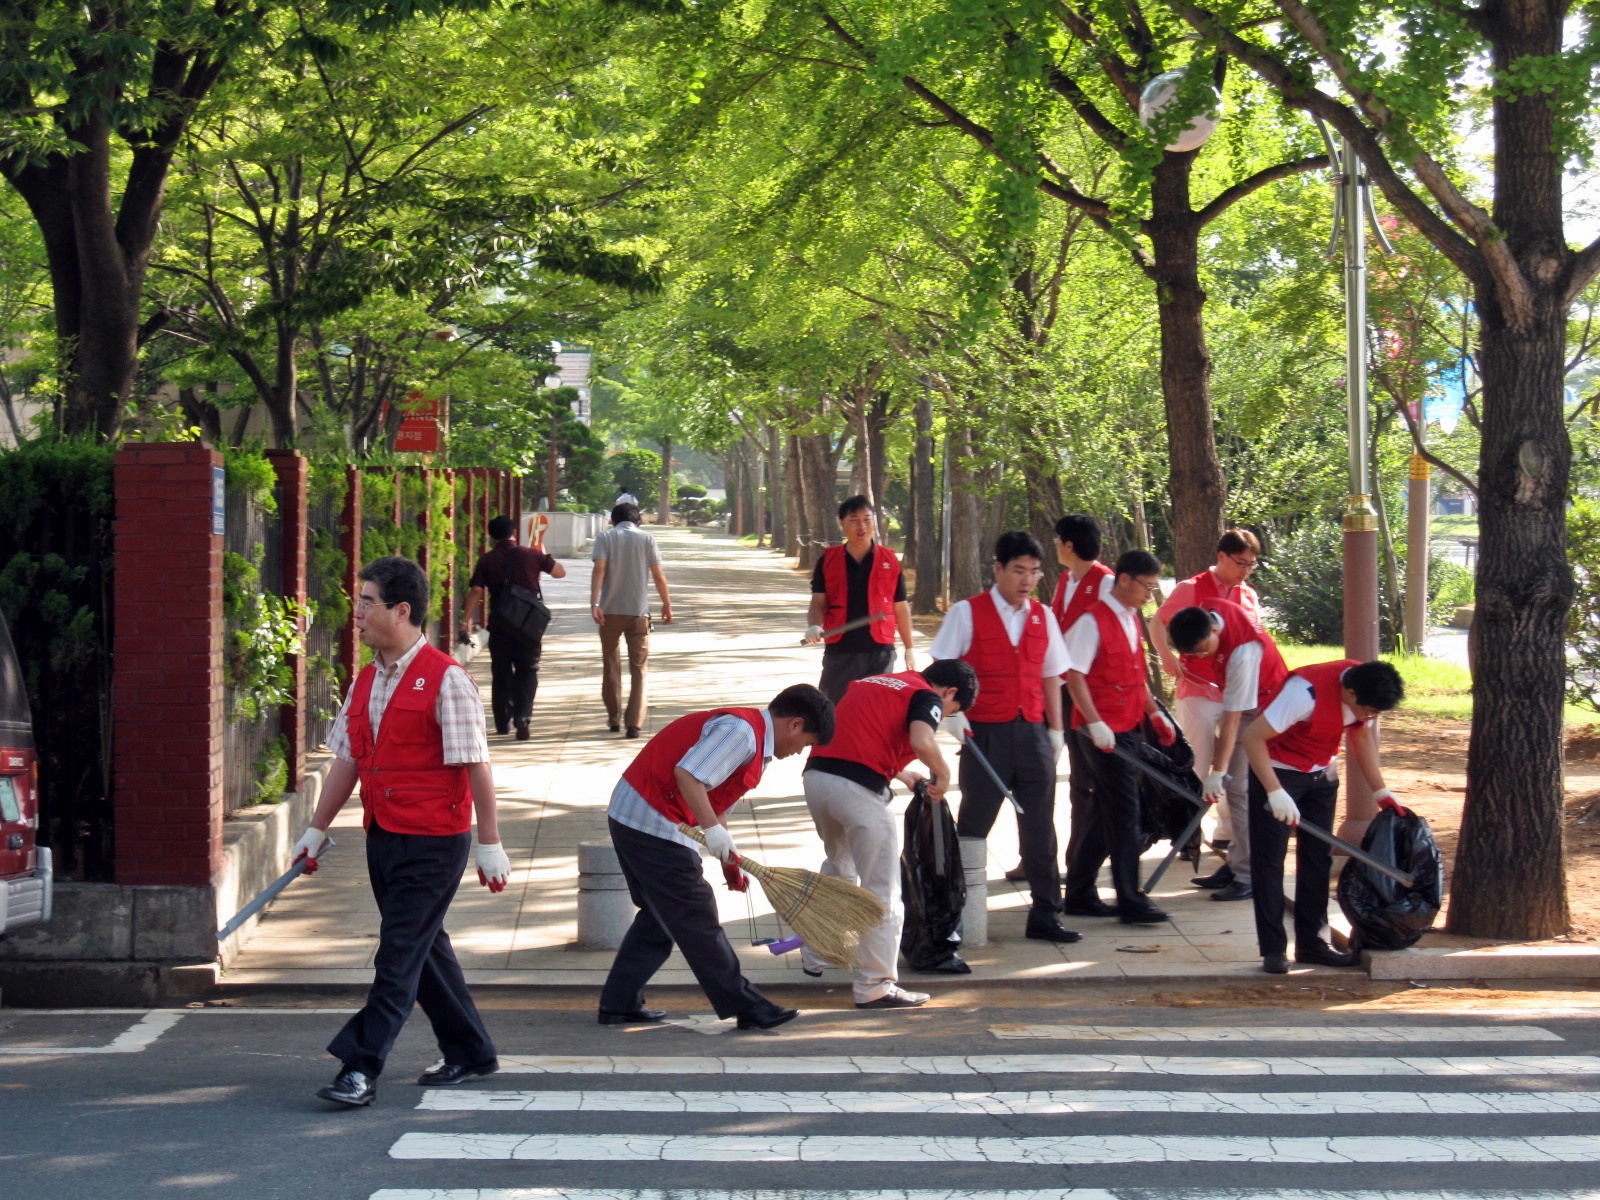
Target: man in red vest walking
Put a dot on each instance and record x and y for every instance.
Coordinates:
(691, 773)
(881, 725)
(1292, 747)
(1014, 645)
(1200, 706)
(1110, 705)
(411, 732)
(852, 581)
(1225, 641)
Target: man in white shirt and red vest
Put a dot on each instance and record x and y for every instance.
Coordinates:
(1200, 705)
(852, 581)
(1111, 702)
(691, 773)
(1014, 645)
(411, 733)
(1223, 639)
(881, 725)
(1292, 746)
(1083, 581)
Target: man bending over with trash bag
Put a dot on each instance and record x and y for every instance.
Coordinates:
(882, 724)
(691, 773)
(1292, 746)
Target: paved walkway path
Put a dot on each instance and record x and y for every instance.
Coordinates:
(739, 615)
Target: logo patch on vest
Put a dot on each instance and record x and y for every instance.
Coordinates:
(420, 685)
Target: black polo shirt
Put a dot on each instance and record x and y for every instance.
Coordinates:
(856, 575)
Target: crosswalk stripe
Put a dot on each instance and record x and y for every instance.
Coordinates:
(1003, 1064)
(1014, 1104)
(1279, 1033)
(766, 1193)
(1091, 1150)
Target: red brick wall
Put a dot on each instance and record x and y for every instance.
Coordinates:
(292, 507)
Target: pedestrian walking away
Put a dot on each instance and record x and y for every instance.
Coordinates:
(1292, 746)
(1082, 582)
(513, 652)
(1014, 645)
(411, 733)
(1223, 640)
(1111, 703)
(626, 560)
(883, 723)
(850, 582)
(691, 773)
(1199, 698)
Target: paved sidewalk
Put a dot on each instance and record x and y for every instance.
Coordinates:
(739, 615)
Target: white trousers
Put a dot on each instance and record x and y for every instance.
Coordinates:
(860, 844)
(1198, 718)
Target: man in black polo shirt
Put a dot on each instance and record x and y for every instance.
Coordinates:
(855, 580)
(513, 659)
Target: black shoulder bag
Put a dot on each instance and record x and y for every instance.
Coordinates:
(517, 612)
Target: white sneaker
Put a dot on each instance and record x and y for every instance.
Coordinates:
(896, 997)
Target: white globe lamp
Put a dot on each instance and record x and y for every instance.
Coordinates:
(1160, 93)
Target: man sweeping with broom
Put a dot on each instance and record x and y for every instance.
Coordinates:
(691, 773)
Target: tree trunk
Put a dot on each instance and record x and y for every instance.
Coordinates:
(1195, 473)
(733, 472)
(793, 498)
(922, 543)
(877, 460)
(665, 510)
(970, 543)
(778, 494)
(1042, 481)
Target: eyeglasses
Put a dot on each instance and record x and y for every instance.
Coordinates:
(1244, 564)
(1023, 573)
(1149, 588)
(365, 602)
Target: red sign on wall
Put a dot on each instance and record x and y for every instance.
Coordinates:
(419, 428)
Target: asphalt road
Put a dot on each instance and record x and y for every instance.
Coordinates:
(1086, 1103)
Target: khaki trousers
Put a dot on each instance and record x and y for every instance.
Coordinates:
(637, 631)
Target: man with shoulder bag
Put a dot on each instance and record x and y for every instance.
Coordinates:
(507, 577)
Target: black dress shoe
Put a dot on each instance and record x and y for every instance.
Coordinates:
(766, 1015)
(522, 731)
(614, 727)
(954, 965)
(634, 1016)
(1275, 964)
(1234, 891)
(1090, 908)
(1324, 955)
(1016, 874)
(1142, 916)
(633, 731)
(1220, 878)
(445, 1074)
(350, 1088)
(1052, 931)
(502, 730)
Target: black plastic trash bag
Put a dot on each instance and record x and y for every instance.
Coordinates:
(932, 886)
(1383, 914)
(1163, 813)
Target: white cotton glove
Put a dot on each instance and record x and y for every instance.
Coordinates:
(1386, 799)
(958, 725)
(1165, 733)
(1216, 786)
(308, 847)
(719, 843)
(494, 868)
(1102, 737)
(1283, 807)
(813, 634)
(1058, 743)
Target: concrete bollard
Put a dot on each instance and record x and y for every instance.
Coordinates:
(605, 910)
(975, 914)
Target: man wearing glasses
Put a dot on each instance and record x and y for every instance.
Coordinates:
(1201, 689)
(858, 579)
(1013, 643)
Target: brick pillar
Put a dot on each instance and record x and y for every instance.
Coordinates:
(290, 466)
(350, 544)
(484, 483)
(468, 535)
(399, 508)
(424, 520)
(447, 610)
(166, 691)
(516, 500)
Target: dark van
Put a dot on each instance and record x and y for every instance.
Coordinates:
(25, 882)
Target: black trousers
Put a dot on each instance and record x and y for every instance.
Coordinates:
(1317, 797)
(676, 905)
(1021, 754)
(842, 668)
(513, 678)
(414, 878)
(1116, 810)
(1087, 850)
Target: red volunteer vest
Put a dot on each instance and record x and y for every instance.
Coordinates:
(1203, 676)
(869, 724)
(1311, 744)
(880, 591)
(652, 772)
(1009, 682)
(1090, 588)
(1116, 677)
(406, 786)
(1238, 629)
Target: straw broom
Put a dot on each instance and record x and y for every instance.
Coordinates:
(829, 914)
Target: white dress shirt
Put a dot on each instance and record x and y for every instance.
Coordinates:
(955, 635)
(1083, 639)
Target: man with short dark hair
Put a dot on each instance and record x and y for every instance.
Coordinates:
(1014, 645)
(858, 579)
(1111, 702)
(411, 734)
(626, 558)
(881, 725)
(1292, 746)
(513, 655)
(691, 773)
